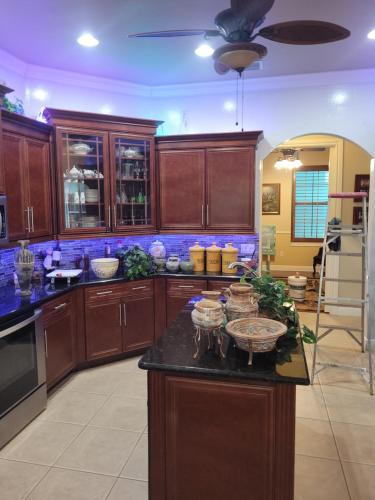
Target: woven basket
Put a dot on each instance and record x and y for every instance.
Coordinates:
(255, 334)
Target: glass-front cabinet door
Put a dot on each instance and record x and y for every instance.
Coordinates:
(84, 181)
(132, 183)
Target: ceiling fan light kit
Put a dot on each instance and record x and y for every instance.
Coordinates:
(238, 56)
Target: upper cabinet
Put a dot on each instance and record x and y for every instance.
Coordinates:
(207, 182)
(27, 176)
(3, 91)
(105, 172)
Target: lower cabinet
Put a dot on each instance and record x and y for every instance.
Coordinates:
(119, 318)
(179, 291)
(219, 285)
(60, 337)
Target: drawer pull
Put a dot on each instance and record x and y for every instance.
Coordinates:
(138, 287)
(60, 306)
(120, 314)
(185, 286)
(124, 310)
(108, 292)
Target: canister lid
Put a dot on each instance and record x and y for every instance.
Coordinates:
(213, 248)
(196, 247)
(229, 248)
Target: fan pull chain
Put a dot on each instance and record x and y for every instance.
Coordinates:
(237, 100)
(243, 94)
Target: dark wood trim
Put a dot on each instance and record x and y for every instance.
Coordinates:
(303, 168)
(54, 116)
(29, 124)
(3, 91)
(253, 137)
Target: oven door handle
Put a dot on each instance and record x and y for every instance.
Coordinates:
(18, 326)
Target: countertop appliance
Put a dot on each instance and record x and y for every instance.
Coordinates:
(4, 236)
(23, 390)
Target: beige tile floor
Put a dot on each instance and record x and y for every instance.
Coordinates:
(91, 442)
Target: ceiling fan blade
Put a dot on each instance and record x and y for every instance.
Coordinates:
(304, 32)
(251, 9)
(173, 33)
(221, 68)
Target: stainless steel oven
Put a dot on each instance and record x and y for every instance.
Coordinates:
(3, 220)
(23, 392)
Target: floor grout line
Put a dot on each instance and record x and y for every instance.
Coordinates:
(337, 448)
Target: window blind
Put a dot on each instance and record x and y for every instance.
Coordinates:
(310, 203)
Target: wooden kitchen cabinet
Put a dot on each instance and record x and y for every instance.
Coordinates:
(179, 291)
(219, 285)
(103, 313)
(27, 176)
(3, 91)
(230, 189)
(207, 182)
(105, 172)
(119, 318)
(182, 189)
(60, 337)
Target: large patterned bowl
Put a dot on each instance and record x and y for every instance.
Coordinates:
(105, 268)
(255, 334)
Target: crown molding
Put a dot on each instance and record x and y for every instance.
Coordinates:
(12, 63)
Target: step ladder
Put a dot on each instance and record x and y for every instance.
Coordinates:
(332, 233)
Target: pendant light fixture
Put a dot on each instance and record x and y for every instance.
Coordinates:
(288, 160)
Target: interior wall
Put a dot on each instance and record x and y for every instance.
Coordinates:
(289, 254)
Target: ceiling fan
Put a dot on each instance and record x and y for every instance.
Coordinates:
(237, 26)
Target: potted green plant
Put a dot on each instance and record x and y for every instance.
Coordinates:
(138, 263)
(275, 303)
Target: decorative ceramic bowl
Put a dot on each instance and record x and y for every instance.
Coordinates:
(105, 268)
(255, 334)
(187, 266)
(80, 148)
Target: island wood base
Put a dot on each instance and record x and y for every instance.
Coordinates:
(220, 439)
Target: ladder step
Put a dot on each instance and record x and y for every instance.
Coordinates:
(341, 280)
(341, 304)
(350, 300)
(345, 232)
(336, 327)
(345, 226)
(347, 254)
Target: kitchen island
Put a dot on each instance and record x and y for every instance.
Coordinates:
(220, 429)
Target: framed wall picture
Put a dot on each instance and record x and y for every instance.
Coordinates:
(361, 184)
(357, 215)
(271, 199)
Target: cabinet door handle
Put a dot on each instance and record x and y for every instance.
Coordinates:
(120, 314)
(138, 287)
(124, 305)
(27, 210)
(114, 216)
(202, 215)
(109, 215)
(46, 343)
(60, 306)
(207, 219)
(104, 293)
(32, 219)
(185, 286)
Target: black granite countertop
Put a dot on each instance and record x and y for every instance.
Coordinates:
(11, 304)
(174, 352)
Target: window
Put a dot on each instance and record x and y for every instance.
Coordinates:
(309, 203)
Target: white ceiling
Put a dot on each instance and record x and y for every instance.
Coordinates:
(43, 32)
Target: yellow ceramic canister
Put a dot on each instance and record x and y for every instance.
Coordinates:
(197, 256)
(229, 255)
(213, 260)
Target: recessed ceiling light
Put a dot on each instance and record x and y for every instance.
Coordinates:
(40, 94)
(87, 40)
(371, 35)
(204, 50)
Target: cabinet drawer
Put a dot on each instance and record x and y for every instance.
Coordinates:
(56, 306)
(103, 293)
(137, 288)
(185, 288)
(219, 285)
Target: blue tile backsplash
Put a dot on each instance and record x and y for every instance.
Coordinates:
(71, 249)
